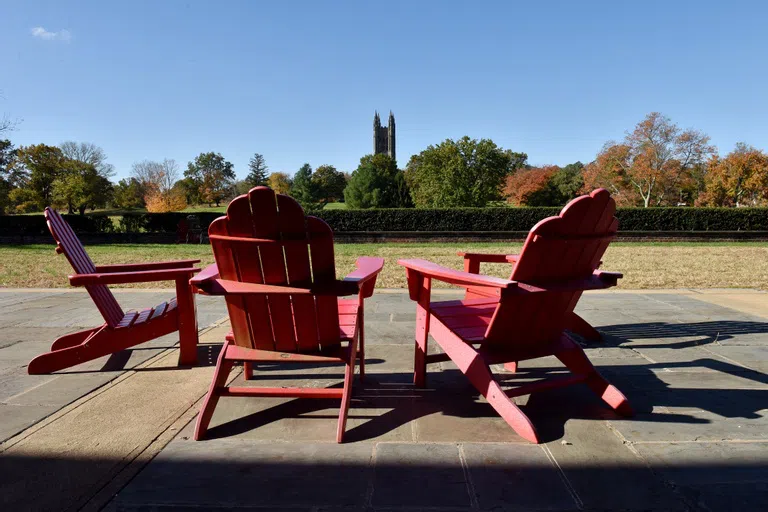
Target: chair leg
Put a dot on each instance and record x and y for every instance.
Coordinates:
(574, 358)
(73, 339)
(223, 367)
(97, 344)
(420, 353)
(583, 328)
(361, 348)
(349, 374)
(188, 340)
(479, 374)
(247, 370)
(511, 366)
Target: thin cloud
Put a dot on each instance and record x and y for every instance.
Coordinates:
(62, 35)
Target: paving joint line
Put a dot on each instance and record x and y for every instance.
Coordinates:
(471, 489)
(563, 477)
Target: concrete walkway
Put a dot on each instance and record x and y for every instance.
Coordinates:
(693, 363)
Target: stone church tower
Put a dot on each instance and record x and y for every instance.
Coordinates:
(384, 136)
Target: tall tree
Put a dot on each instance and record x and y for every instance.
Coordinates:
(88, 153)
(213, 175)
(9, 179)
(374, 184)
(301, 190)
(533, 187)
(42, 164)
(327, 185)
(257, 168)
(738, 179)
(280, 182)
(466, 172)
(129, 193)
(163, 195)
(652, 163)
(568, 181)
(147, 172)
(79, 186)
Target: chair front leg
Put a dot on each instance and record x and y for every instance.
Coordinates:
(188, 339)
(223, 367)
(422, 334)
(361, 334)
(346, 397)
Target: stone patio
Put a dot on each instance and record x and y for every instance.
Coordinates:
(116, 433)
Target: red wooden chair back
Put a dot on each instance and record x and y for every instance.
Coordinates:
(278, 245)
(558, 249)
(68, 243)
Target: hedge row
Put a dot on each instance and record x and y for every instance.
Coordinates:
(447, 220)
(523, 219)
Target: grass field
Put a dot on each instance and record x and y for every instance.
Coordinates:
(645, 265)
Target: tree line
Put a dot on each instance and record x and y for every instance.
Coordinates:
(656, 164)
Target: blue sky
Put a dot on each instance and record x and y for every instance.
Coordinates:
(299, 81)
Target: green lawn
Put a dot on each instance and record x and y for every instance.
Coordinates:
(645, 265)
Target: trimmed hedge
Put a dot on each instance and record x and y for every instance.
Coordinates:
(523, 219)
(448, 219)
(396, 219)
(34, 225)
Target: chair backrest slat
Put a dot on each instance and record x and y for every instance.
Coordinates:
(68, 243)
(287, 323)
(567, 247)
(265, 225)
(292, 226)
(251, 322)
(323, 272)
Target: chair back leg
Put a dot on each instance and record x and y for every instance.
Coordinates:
(574, 358)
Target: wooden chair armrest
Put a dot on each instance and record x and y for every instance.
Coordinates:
(203, 280)
(132, 267)
(145, 276)
(472, 260)
(489, 258)
(599, 280)
(417, 268)
(365, 276)
(216, 286)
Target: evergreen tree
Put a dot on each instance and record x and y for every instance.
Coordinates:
(374, 184)
(301, 190)
(257, 174)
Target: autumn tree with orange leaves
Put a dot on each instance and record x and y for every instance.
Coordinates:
(530, 187)
(652, 166)
(738, 179)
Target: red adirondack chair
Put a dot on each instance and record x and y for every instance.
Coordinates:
(523, 317)
(121, 330)
(275, 267)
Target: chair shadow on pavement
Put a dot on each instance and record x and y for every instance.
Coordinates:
(705, 333)
(652, 388)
